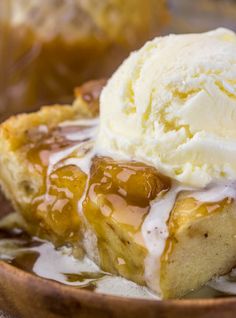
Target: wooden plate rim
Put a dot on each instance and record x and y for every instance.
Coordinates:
(17, 274)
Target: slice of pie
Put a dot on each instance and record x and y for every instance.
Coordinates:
(28, 141)
(68, 194)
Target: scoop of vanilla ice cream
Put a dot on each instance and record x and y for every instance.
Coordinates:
(172, 104)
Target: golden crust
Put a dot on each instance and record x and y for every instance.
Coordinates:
(19, 181)
(86, 104)
(13, 130)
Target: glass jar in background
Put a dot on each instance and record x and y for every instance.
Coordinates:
(49, 47)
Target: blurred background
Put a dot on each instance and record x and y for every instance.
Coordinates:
(200, 15)
(47, 48)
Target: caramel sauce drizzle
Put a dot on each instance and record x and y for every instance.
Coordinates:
(116, 197)
(191, 209)
(53, 210)
(125, 188)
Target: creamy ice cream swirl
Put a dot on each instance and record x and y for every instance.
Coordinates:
(172, 104)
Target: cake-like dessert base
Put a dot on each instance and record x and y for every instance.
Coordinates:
(101, 209)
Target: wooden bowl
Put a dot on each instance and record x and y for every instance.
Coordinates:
(26, 295)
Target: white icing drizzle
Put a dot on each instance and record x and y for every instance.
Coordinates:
(225, 284)
(84, 134)
(81, 122)
(89, 130)
(154, 229)
(83, 161)
(155, 233)
(60, 155)
(55, 264)
(89, 237)
(216, 192)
